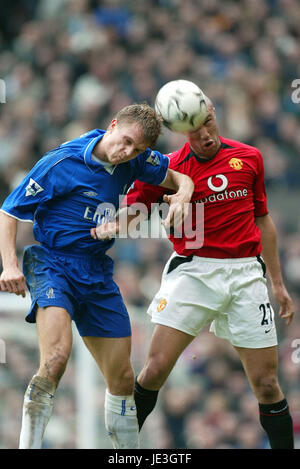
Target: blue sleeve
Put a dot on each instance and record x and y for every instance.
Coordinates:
(152, 167)
(49, 178)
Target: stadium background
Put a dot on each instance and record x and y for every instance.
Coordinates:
(68, 66)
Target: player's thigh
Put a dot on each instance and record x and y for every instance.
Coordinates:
(54, 332)
(112, 356)
(259, 361)
(166, 346)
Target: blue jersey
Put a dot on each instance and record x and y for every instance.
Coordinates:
(67, 192)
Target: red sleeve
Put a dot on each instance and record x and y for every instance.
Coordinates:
(260, 197)
(143, 193)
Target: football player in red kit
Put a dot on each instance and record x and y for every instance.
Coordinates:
(222, 281)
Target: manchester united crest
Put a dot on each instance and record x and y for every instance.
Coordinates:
(236, 163)
(161, 305)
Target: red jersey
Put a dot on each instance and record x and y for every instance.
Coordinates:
(231, 187)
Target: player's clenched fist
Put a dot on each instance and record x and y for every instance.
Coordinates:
(12, 280)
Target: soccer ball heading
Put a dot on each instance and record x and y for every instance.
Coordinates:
(181, 105)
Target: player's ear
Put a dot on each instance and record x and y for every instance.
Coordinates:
(113, 124)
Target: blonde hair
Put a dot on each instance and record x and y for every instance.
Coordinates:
(146, 117)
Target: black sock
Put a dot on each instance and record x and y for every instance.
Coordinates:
(145, 401)
(278, 424)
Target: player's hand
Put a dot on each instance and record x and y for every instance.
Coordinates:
(178, 211)
(287, 307)
(12, 280)
(105, 231)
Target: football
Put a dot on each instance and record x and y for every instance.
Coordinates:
(182, 105)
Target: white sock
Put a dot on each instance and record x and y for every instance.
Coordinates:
(121, 421)
(37, 410)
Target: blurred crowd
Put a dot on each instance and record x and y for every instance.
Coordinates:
(68, 67)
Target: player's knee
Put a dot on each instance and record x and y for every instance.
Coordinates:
(54, 365)
(266, 388)
(155, 372)
(122, 382)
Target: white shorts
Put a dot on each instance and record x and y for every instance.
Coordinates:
(229, 294)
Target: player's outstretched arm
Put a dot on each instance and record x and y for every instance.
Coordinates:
(12, 279)
(184, 187)
(271, 259)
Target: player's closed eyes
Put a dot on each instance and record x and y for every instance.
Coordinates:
(135, 150)
(129, 142)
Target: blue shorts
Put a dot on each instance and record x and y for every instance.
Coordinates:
(83, 285)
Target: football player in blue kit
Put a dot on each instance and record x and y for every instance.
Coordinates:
(68, 273)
